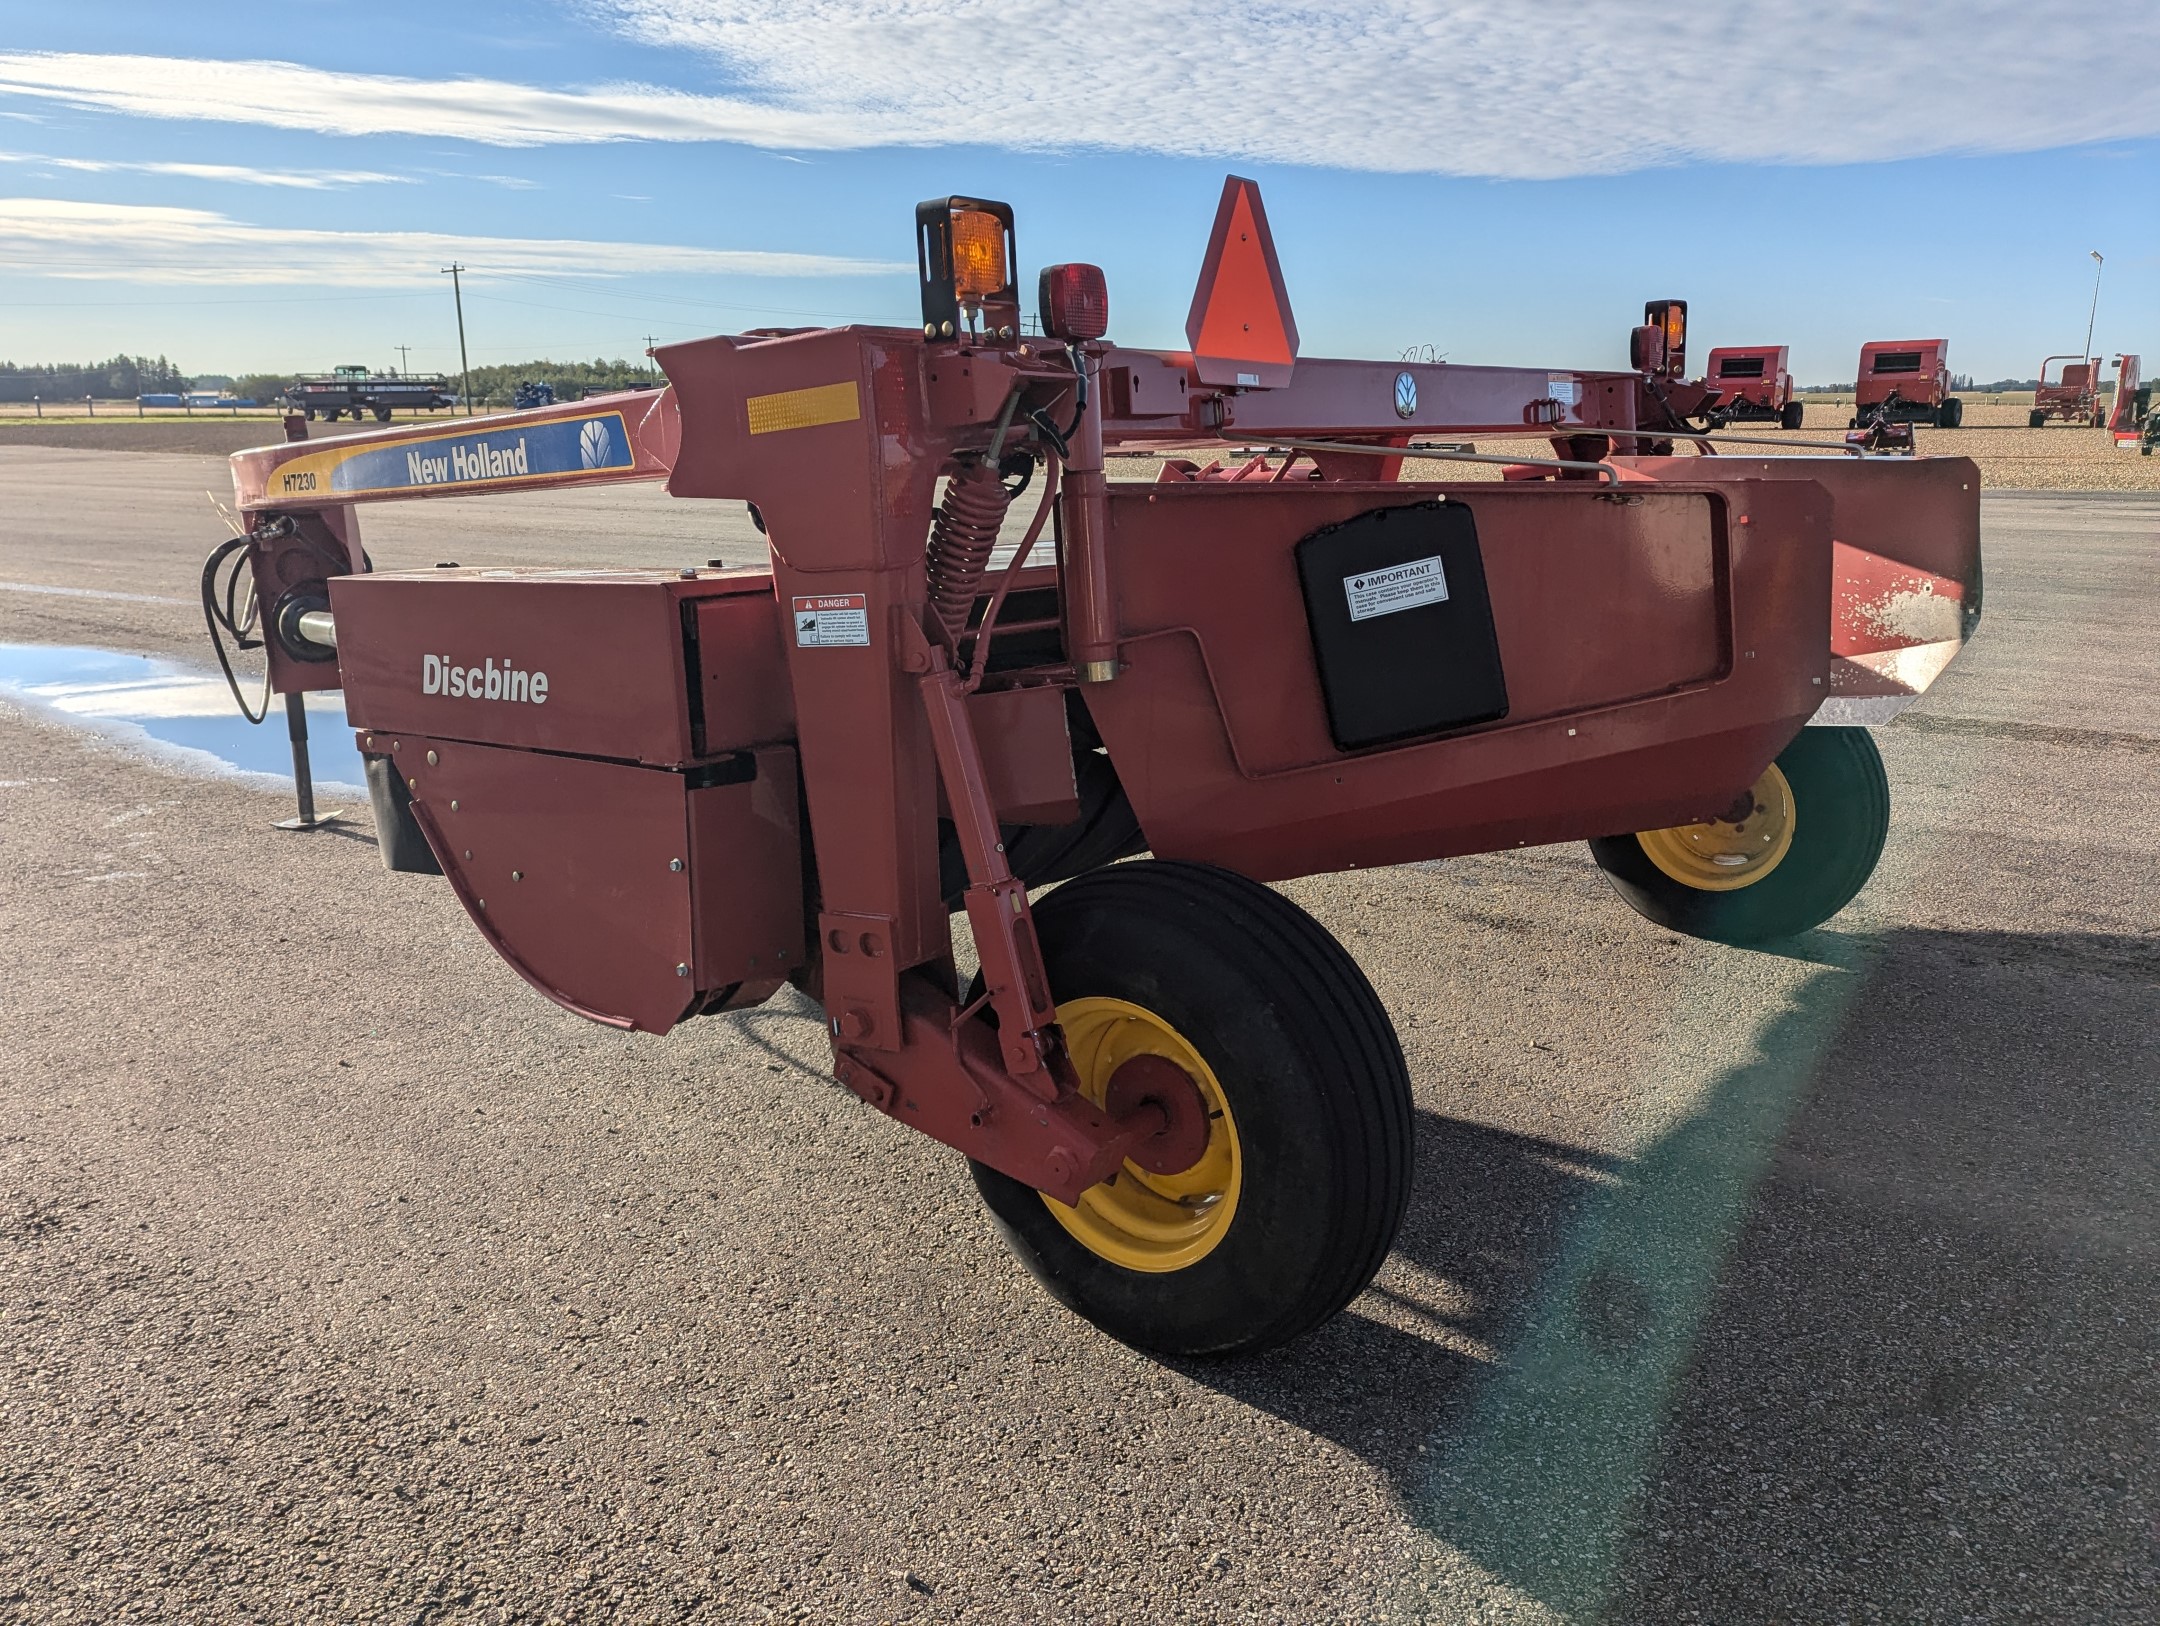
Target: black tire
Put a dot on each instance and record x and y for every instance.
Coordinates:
(1039, 854)
(382, 414)
(1791, 415)
(1841, 807)
(1953, 413)
(1314, 1081)
(2035, 418)
(1853, 422)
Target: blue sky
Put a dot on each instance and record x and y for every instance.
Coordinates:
(256, 186)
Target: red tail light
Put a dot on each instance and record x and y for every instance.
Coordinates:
(1074, 301)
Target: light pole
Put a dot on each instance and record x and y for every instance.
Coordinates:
(2098, 264)
(457, 292)
(404, 359)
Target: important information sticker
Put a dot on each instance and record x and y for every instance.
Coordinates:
(1399, 587)
(835, 620)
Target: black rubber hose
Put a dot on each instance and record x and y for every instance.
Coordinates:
(224, 621)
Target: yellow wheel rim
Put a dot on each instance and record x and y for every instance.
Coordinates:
(1143, 1221)
(1722, 856)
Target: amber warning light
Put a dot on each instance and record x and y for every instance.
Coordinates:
(964, 249)
(978, 255)
(1074, 301)
(1660, 344)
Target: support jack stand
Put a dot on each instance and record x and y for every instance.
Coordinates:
(303, 780)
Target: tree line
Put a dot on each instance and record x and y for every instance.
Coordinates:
(493, 386)
(121, 378)
(125, 377)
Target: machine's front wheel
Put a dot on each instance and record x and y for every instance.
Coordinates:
(2035, 418)
(1790, 854)
(1791, 415)
(1294, 1203)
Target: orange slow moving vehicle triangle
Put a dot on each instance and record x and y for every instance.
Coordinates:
(1240, 328)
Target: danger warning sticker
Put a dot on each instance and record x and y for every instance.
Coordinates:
(829, 620)
(1398, 587)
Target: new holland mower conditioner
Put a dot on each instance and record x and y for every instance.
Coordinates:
(662, 794)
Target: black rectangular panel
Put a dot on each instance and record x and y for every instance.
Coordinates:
(1402, 627)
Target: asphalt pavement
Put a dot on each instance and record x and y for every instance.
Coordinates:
(343, 1278)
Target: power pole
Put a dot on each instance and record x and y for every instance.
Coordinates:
(404, 360)
(457, 292)
(2098, 265)
(651, 365)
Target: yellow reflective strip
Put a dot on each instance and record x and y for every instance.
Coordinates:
(805, 409)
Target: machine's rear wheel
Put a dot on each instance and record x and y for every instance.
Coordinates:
(1791, 415)
(1295, 1202)
(1801, 845)
(2035, 418)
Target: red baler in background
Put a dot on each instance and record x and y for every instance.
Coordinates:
(1906, 381)
(1754, 385)
(666, 793)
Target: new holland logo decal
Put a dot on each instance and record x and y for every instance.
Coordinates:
(474, 458)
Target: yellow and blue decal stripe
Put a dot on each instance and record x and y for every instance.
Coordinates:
(465, 460)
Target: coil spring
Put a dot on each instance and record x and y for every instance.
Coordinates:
(961, 537)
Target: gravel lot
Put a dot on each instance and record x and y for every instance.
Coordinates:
(343, 1278)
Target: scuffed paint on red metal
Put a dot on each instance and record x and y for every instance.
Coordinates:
(580, 873)
(1658, 657)
(1906, 580)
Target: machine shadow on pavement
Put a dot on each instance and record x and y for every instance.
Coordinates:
(1906, 1252)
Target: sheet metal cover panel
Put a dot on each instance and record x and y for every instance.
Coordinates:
(1402, 627)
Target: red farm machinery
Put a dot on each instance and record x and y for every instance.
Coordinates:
(2133, 418)
(2068, 392)
(663, 794)
(1753, 384)
(1906, 381)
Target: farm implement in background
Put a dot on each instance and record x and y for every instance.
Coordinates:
(2069, 392)
(357, 392)
(1906, 381)
(1754, 385)
(665, 793)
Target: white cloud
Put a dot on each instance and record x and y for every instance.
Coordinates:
(288, 96)
(106, 241)
(308, 179)
(1467, 87)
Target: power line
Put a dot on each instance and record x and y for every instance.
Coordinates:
(590, 286)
